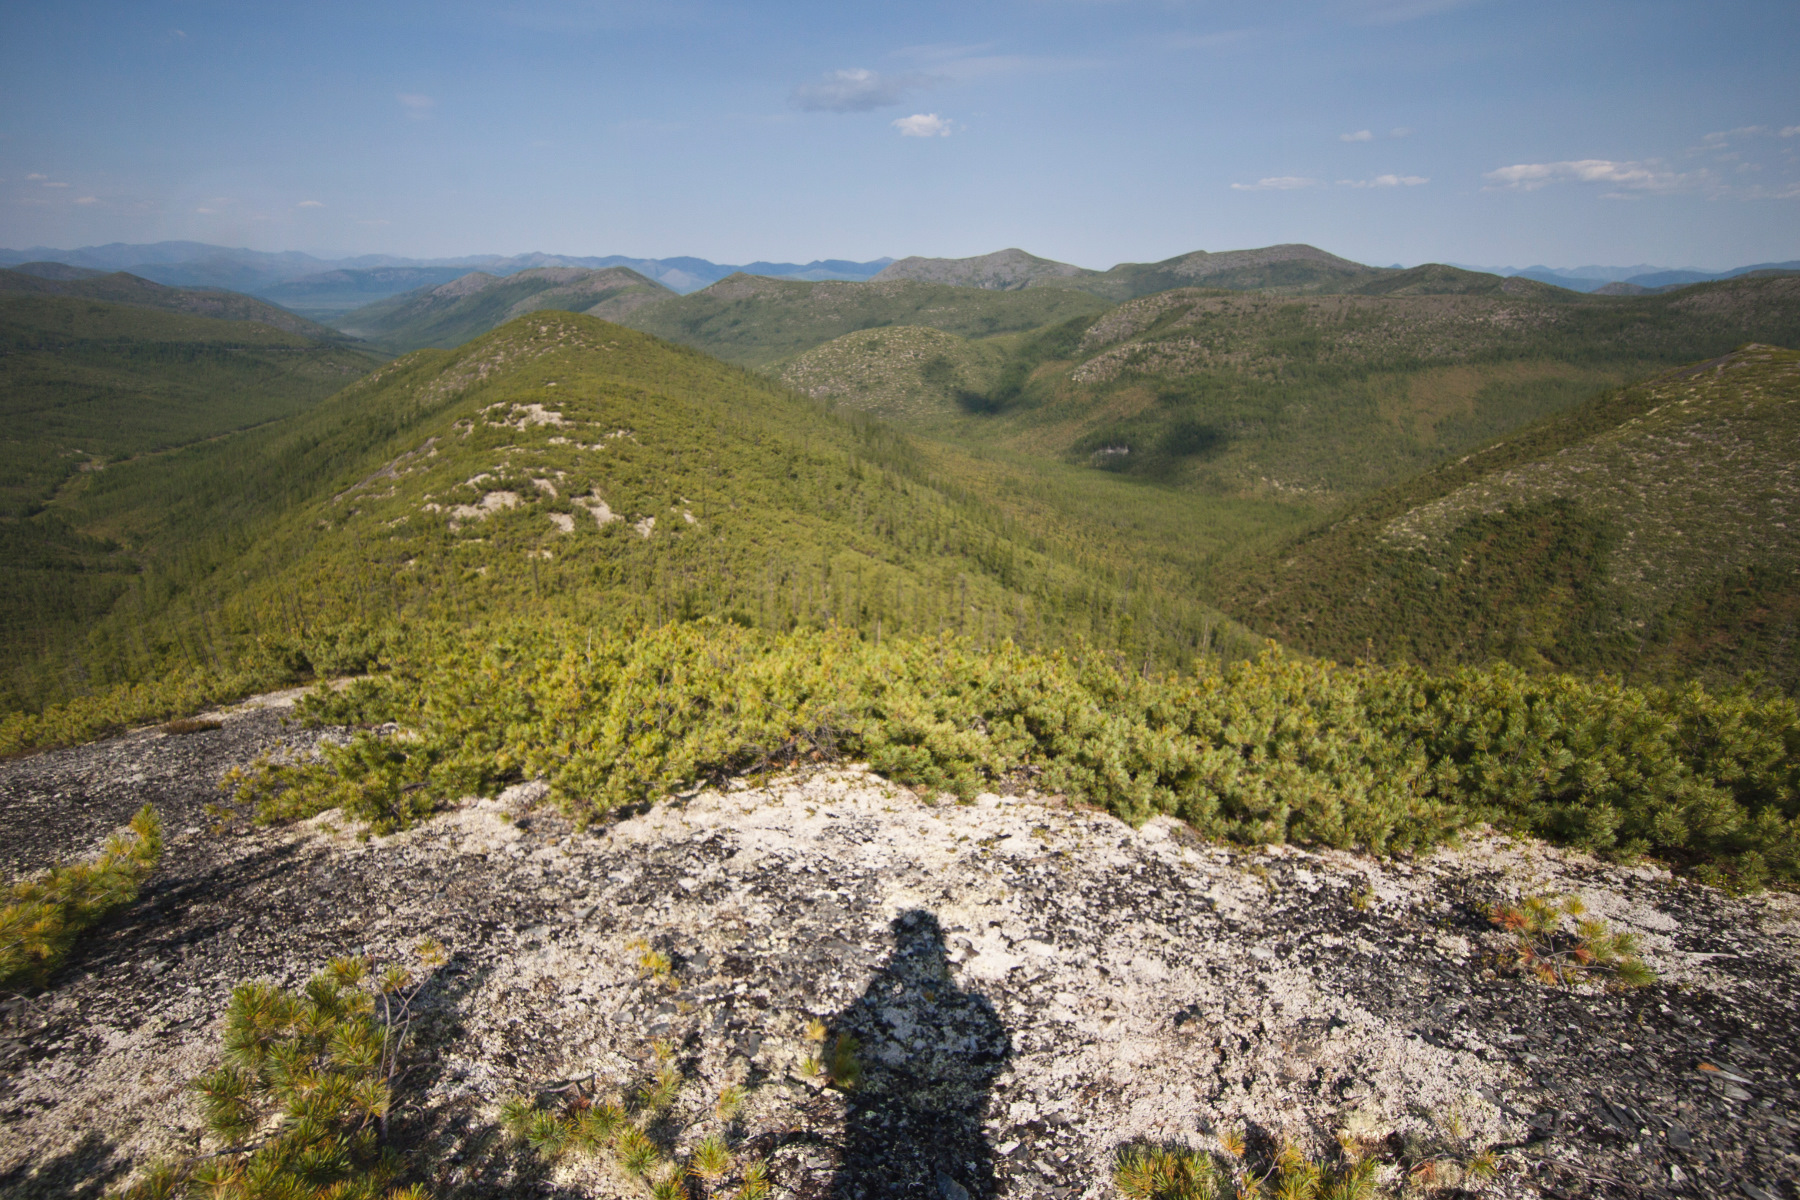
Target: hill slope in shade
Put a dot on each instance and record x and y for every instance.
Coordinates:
(564, 465)
(122, 288)
(449, 314)
(756, 321)
(1653, 531)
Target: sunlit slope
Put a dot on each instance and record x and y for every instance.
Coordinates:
(449, 314)
(757, 322)
(567, 466)
(1311, 400)
(1653, 531)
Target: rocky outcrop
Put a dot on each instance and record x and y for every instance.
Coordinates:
(1033, 986)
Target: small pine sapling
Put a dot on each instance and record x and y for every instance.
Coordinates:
(1545, 947)
(313, 1072)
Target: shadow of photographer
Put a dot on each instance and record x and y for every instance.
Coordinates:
(929, 1053)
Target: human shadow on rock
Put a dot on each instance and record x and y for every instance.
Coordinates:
(929, 1053)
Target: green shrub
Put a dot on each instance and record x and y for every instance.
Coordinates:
(1385, 759)
(44, 916)
(635, 1134)
(300, 1105)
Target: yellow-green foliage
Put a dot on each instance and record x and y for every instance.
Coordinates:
(1387, 759)
(643, 1133)
(1544, 946)
(301, 1102)
(44, 916)
(1163, 1173)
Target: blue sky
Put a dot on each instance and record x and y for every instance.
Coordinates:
(1093, 131)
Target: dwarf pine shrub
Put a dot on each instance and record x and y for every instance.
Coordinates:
(300, 1104)
(44, 916)
(1385, 759)
(641, 1134)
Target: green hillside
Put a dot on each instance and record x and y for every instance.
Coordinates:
(565, 466)
(757, 321)
(899, 371)
(85, 388)
(1653, 531)
(123, 288)
(450, 314)
(1310, 400)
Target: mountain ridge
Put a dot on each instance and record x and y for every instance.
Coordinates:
(1653, 530)
(120, 287)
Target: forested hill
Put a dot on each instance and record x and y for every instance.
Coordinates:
(563, 465)
(88, 391)
(121, 287)
(1653, 531)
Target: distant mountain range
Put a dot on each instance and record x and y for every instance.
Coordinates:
(1634, 280)
(316, 286)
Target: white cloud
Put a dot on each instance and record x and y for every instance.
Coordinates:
(1385, 181)
(1634, 176)
(1276, 183)
(923, 125)
(310, 204)
(87, 200)
(1361, 135)
(417, 106)
(37, 176)
(1791, 131)
(55, 183)
(855, 90)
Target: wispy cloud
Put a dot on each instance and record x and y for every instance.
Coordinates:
(1726, 136)
(53, 183)
(856, 90)
(35, 176)
(1791, 131)
(310, 204)
(923, 125)
(1650, 176)
(1205, 41)
(1394, 12)
(1361, 135)
(1385, 181)
(417, 105)
(1277, 183)
(86, 200)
